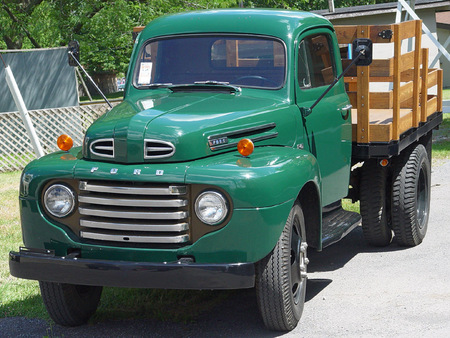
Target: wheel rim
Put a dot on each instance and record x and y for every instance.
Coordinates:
(298, 263)
(422, 199)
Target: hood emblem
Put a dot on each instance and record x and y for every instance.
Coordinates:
(217, 141)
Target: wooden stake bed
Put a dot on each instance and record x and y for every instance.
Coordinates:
(387, 116)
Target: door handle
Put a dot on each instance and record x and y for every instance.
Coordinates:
(347, 107)
(345, 111)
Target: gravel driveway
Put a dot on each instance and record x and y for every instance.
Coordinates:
(353, 290)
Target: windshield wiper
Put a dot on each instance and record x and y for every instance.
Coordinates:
(156, 85)
(205, 85)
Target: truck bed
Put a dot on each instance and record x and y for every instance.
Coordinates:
(412, 104)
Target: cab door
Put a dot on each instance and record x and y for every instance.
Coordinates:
(327, 129)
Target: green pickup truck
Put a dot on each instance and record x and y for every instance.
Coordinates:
(229, 156)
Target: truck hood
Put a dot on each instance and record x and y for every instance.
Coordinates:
(182, 126)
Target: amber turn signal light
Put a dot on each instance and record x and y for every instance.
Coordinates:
(65, 142)
(384, 162)
(245, 147)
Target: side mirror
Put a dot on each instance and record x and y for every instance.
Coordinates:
(74, 48)
(363, 49)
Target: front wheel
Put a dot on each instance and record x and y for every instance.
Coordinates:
(68, 304)
(281, 276)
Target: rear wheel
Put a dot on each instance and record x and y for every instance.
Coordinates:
(281, 276)
(411, 196)
(374, 198)
(68, 304)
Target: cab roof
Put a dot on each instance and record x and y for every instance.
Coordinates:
(283, 24)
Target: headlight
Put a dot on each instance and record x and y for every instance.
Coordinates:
(211, 207)
(59, 200)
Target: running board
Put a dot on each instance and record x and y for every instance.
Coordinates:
(338, 223)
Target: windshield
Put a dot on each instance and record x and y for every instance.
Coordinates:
(241, 61)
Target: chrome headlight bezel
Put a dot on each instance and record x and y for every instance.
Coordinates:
(69, 196)
(221, 205)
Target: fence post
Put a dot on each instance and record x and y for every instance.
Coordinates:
(23, 111)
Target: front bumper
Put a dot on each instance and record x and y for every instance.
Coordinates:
(43, 265)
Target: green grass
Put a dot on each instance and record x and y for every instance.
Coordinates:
(441, 140)
(446, 93)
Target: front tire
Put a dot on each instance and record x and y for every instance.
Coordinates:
(68, 304)
(411, 196)
(281, 276)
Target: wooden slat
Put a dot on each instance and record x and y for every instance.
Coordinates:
(381, 100)
(432, 78)
(382, 67)
(407, 61)
(375, 30)
(417, 59)
(396, 84)
(408, 30)
(353, 99)
(432, 106)
(424, 86)
(406, 92)
(440, 81)
(346, 34)
(363, 131)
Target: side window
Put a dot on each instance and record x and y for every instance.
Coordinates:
(315, 62)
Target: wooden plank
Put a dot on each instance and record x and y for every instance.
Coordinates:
(407, 30)
(382, 67)
(396, 82)
(424, 86)
(432, 106)
(440, 81)
(353, 99)
(381, 100)
(432, 78)
(417, 57)
(232, 53)
(363, 132)
(375, 30)
(345, 34)
(407, 61)
(406, 92)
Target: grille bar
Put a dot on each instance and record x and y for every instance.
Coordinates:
(178, 227)
(136, 239)
(133, 214)
(133, 202)
(170, 190)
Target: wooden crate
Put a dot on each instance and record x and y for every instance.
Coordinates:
(385, 116)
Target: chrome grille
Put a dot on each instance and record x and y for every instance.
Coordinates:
(133, 212)
(154, 149)
(103, 147)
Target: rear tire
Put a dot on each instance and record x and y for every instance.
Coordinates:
(411, 196)
(281, 276)
(374, 193)
(68, 304)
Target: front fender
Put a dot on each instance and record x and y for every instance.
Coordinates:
(270, 176)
